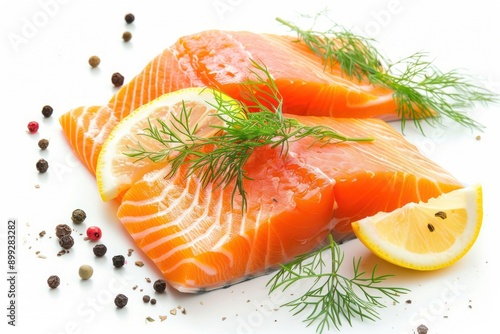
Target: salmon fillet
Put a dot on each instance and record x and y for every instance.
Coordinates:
(223, 60)
(199, 241)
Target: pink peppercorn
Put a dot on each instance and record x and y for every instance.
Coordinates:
(94, 233)
(33, 127)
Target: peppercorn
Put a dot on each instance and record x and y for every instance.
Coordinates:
(94, 233)
(85, 271)
(121, 300)
(422, 329)
(153, 301)
(53, 281)
(78, 216)
(42, 165)
(99, 250)
(159, 285)
(129, 18)
(43, 143)
(118, 261)
(62, 230)
(94, 61)
(127, 36)
(66, 241)
(146, 298)
(47, 111)
(117, 79)
(33, 127)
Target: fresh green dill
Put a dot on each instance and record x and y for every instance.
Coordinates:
(221, 158)
(332, 298)
(421, 91)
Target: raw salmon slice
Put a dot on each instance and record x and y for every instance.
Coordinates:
(223, 60)
(200, 241)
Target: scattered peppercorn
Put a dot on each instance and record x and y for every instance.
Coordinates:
(53, 281)
(43, 143)
(153, 301)
(129, 18)
(422, 329)
(117, 79)
(66, 241)
(47, 111)
(94, 61)
(94, 233)
(118, 261)
(78, 216)
(159, 285)
(127, 36)
(146, 298)
(121, 300)
(85, 271)
(33, 127)
(99, 250)
(62, 230)
(42, 165)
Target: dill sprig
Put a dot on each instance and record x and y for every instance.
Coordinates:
(333, 298)
(221, 158)
(421, 91)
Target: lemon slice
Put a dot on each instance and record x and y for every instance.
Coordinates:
(425, 236)
(116, 172)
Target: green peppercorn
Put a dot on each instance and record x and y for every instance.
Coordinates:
(62, 230)
(117, 79)
(159, 285)
(127, 36)
(121, 300)
(129, 18)
(78, 216)
(53, 281)
(94, 61)
(85, 271)
(66, 241)
(43, 144)
(47, 111)
(42, 165)
(118, 261)
(99, 250)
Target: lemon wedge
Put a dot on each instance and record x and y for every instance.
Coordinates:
(425, 236)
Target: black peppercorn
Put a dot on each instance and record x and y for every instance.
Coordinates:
(117, 79)
(118, 261)
(67, 241)
(146, 298)
(78, 216)
(47, 111)
(53, 281)
(153, 301)
(127, 36)
(422, 329)
(42, 165)
(159, 285)
(129, 18)
(121, 300)
(43, 144)
(62, 230)
(99, 250)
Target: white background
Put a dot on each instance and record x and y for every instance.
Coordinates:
(45, 46)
